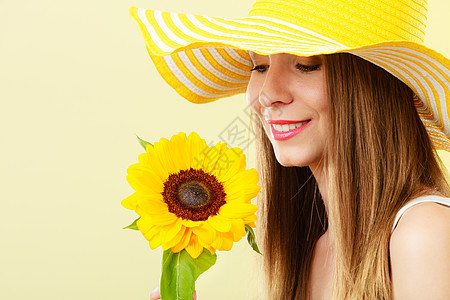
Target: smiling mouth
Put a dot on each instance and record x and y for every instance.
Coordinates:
(282, 132)
(288, 127)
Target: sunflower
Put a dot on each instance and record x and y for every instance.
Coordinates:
(192, 196)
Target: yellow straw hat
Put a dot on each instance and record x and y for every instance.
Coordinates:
(206, 58)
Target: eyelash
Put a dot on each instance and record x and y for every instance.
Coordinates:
(302, 68)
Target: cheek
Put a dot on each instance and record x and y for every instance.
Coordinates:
(252, 96)
(324, 102)
(324, 106)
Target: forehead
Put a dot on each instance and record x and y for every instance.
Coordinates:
(254, 55)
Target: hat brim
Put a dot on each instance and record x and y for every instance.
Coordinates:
(206, 58)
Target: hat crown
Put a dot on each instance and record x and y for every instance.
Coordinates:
(352, 22)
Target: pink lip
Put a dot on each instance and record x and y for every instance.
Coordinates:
(281, 122)
(281, 136)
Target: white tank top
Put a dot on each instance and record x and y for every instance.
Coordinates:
(427, 198)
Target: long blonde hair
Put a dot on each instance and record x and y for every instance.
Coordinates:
(378, 155)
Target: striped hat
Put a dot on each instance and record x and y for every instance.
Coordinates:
(206, 58)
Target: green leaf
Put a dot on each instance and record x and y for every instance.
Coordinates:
(144, 143)
(180, 271)
(133, 225)
(251, 238)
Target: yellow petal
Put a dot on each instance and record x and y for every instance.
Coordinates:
(237, 210)
(184, 241)
(252, 225)
(151, 162)
(196, 146)
(130, 202)
(175, 240)
(220, 223)
(244, 178)
(230, 163)
(212, 156)
(152, 232)
(168, 232)
(243, 187)
(150, 207)
(238, 229)
(223, 241)
(143, 180)
(202, 243)
(217, 241)
(155, 164)
(153, 204)
(155, 241)
(163, 150)
(212, 250)
(249, 219)
(144, 225)
(178, 151)
(157, 219)
(206, 233)
(191, 224)
(242, 193)
(194, 248)
(147, 229)
(143, 159)
(227, 241)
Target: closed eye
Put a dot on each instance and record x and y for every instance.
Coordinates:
(260, 68)
(306, 68)
(303, 68)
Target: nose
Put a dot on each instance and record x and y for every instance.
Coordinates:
(275, 91)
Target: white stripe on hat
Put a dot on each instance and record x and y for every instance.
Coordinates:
(189, 84)
(207, 65)
(167, 31)
(161, 45)
(187, 62)
(373, 58)
(170, 35)
(438, 84)
(233, 53)
(296, 27)
(437, 136)
(413, 65)
(305, 49)
(176, 20)
(217, 21)
(405, 77)
(222, 36)
(226, 64)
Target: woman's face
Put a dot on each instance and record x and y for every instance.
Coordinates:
(289, 89)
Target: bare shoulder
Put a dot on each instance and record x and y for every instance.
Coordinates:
(420, 253)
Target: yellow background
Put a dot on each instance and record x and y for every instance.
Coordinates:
(76, 86)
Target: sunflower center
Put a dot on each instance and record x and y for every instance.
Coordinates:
(193, 194)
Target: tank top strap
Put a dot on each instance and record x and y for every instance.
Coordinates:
(426, 198)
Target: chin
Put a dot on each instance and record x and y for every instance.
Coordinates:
(297, 157)
(291, 161)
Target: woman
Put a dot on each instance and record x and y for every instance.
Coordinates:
(355, 203)
(367, 163)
